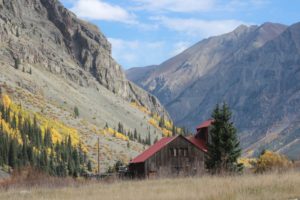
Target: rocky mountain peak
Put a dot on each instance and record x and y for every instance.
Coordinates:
(267, 32)
(241, 29)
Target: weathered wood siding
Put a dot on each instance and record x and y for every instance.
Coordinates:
(188, 160)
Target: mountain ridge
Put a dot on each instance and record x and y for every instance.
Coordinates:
(254, 80)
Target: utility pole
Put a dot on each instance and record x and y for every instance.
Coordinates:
(98, 155)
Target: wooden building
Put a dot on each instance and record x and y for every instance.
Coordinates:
(173, 156)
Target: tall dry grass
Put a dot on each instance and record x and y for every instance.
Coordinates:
(246, 187)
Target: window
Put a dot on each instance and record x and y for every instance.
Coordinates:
(180, 152)
(185, 152)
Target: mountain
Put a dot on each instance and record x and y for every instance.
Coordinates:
(53, 63)
(254, 69)
(138, 74)
(193, 63)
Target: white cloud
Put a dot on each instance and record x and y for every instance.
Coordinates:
(198, 27)
(135, 52)
(176, 5)
(189, 6)
(235, 5)
(100, 10)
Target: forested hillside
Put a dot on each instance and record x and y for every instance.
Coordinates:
(27, 139)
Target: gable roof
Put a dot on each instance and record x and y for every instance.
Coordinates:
(200, 144)
(163, 142)
(205, 124)
(153, 149)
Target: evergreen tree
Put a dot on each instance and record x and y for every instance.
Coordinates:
(76, 112)
(223, 146)
(135, 135)
(17, 33)
(14, 122)
(31, 156)
(139, 139)
(120, 128)
(12, 155)
(148, 140)
(89, 166)
(81, 154)
(43, 160)
(48, 138)
(17, 63)
(76, 161)
(162, 122)
(52, 164)
(24, 155)
(174, 130)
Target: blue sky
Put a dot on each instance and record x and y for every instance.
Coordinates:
(146, 32)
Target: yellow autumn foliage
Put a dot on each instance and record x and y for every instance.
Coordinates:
(168, 124)
(247, 162)
(269, 161)
(6, 101)
(56, 136)
(58, 130)
(139, 107)
(179, 130)
(10, 131)
(156, 117)
(116, 134)
(249, 153)
(153, 122)
(166, 133)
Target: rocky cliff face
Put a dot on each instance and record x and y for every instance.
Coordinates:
(52, 62)
(254, 69)
(50, 35)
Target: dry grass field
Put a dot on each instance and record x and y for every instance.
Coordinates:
(264, 187)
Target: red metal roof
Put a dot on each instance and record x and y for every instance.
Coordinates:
(205, 124)
(198, 143)
(152, 150)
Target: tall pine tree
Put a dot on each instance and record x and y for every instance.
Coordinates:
(223, 146)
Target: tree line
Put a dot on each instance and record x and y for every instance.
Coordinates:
(134, 136)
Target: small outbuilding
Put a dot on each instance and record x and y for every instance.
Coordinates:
(171, 156)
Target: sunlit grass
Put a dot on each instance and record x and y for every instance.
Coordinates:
(269, 186)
